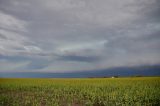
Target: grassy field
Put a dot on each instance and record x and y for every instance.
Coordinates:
(144, 91)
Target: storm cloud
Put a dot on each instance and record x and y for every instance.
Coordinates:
(74, 35)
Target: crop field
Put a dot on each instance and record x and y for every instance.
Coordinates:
(142, 91)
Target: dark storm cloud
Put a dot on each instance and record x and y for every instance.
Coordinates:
(62, 35)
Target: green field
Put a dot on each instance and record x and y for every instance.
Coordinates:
(144, 91)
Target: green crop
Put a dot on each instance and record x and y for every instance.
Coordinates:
(144, 91)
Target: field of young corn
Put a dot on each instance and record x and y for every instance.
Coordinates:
(142, 91)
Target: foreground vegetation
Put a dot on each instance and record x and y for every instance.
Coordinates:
(80, 92)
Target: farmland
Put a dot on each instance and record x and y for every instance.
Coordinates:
(142, 91)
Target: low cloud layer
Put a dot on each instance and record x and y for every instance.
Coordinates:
(77, 35)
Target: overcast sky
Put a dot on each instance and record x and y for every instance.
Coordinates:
(76, 35)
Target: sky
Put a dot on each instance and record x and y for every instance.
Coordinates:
(78, 35)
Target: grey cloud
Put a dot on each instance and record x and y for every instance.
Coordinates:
(13, 39)
(12, 43)
(79, 58)
(80, 34)
(11, 23)
(37, 64)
